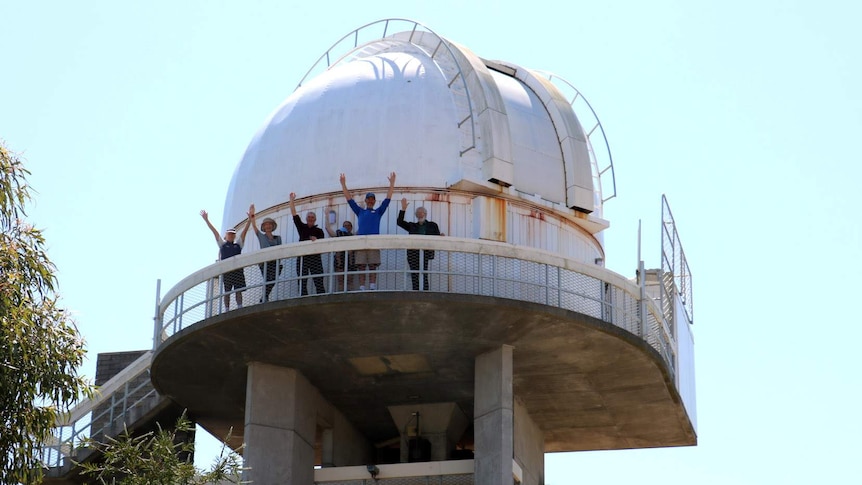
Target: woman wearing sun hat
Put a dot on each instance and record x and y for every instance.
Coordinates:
(265, 236)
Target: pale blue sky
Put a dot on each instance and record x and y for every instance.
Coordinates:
(132, 117)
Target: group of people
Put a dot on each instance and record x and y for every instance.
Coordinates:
(309, 266)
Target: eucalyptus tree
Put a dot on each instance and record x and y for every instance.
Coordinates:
(40, 347)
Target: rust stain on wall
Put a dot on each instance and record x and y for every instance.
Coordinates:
(438, 197)
(535, 214)
(497, 218)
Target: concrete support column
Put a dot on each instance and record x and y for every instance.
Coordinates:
(494, 418)
(280, 420)
(327, 451)
(529, 447)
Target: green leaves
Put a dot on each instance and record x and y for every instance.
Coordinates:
(160, 457)
(40, 348)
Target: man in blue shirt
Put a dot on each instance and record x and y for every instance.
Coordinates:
(369, 223)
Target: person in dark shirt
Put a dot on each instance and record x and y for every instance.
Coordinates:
(311, 264)
(228, 248)
(424, 227)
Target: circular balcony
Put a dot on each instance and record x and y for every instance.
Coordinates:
(592, 361)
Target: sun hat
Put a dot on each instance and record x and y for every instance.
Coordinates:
(269, 219)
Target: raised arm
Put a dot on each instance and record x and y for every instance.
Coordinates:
(436, 229)
(244, 232)
(212, 228)
(391, 185)
(252, 219)
(343, 180)
(329, 225)
(293, 203)
(401, 222)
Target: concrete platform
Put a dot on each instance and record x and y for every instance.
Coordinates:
(588, 385)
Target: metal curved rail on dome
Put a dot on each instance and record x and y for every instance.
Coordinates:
(357, 46)
(460, 266)
(598, 171)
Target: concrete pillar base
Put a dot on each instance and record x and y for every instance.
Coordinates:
(494, 418)
(280, 423)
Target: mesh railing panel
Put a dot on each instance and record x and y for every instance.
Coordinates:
(659, 340)
(582, 294)
(456, 480)
(109, 418)
(450, 271)
(674, 262)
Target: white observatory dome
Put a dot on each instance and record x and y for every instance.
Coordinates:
(429, 110)
(495, 318)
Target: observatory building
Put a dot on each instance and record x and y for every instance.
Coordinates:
(523, 343)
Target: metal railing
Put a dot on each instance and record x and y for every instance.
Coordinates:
(122, 400)
(460, 266)
(585, 112)
(376, 36)
(673, 261)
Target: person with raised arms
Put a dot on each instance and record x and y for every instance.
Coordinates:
(368, 220)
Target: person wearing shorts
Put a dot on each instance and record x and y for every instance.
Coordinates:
(232, 281)
(368, 220)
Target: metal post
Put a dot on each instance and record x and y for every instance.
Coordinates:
(607, 302)
(125, 400)
(547, 290)
(219, 298)
(559, 287)
(178, 320)
(421, 269)
(642, 288)
(345, 276)
(157, 321)
(494, 275)
(208, 309)
(110, 424)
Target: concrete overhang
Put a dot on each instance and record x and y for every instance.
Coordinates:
(587, 384)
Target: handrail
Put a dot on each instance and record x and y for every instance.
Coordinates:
(334, 245)
(462, 266)
(674, 262)
(356, 47)
(110, 408)
(105, 391)
(598, 171)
